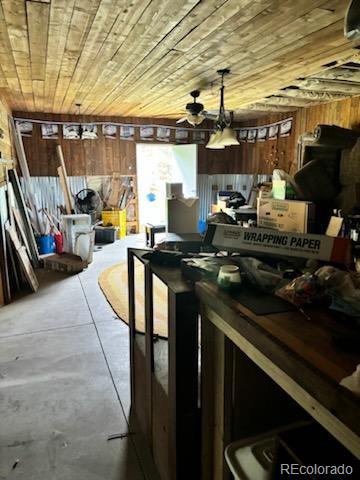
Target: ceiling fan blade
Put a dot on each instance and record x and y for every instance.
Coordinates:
(209, 115)
(181, 120)
(166, 115)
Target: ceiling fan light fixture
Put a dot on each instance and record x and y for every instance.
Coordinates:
(194, 119)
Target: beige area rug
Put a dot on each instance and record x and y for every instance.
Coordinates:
(114, 283)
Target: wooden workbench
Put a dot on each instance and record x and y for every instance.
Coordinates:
(262, 371)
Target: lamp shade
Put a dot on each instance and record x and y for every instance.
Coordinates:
(229, 137)
(215, 141)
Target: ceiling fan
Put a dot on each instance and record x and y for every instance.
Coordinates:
(195, 113)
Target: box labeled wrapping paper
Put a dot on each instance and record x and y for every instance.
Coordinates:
(264, 241)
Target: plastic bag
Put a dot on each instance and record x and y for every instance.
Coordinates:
(343, 287)
(301, 290)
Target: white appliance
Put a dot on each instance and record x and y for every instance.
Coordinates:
(72, 226)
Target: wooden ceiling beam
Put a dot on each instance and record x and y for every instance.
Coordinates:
(38, 24)
(80, 25)
(332, 86)
(252, 88)
(340, 74)
(285, 51)
(249, 97)
(231, 17)
(59, 24)
(287, 101)
(263, 107)
(160, 53)
(252, 36)
(312, 96)
(15, 50)
(144, 57)
(101, 28)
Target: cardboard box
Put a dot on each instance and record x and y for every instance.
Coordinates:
(182, 215)
(233, 238)
(286, 215)
(66, 262)
(174, 190)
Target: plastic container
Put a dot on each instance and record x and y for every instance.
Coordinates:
(105, 234)
(59, 245)
(254, 458)
(72, 224)
(84, 245)
(202, 227)
(46, 244)
(117, 218)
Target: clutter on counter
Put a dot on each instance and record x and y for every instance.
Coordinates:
(352, 382)
(286, 215)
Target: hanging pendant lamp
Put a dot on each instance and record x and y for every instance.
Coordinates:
(80, 128)
(224, 135)
(214, 141)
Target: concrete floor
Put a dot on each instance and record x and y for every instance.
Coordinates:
(64, 382)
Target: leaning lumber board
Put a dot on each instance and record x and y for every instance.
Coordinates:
(65, 183)
(115, 191)
(65, 189)
(12, 261)
(21, 229)
(2, 293)
(20, 151)
(51, 221)
(4, 270)
(23, 258)
(25, 216)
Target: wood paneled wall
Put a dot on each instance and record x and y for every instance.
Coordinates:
(345, 113)
(6, 146)
(263, 157)
(105, 156)
(257, 157)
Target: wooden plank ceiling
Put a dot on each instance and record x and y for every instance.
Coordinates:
(143, 57)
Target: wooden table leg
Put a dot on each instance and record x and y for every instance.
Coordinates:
(184, 441)
(149, 346)
(131, 287)
(216, 400)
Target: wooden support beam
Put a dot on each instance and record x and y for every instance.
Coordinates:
(64, 182)
(65, 189)
(263, 107)
(311, 95)
(340, 74)
(287, 101)
(332, 86)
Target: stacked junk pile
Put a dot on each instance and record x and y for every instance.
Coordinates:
(45, 224)
(312, 215)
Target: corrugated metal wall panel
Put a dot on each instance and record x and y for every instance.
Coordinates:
(240, 183)
(48, 193)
